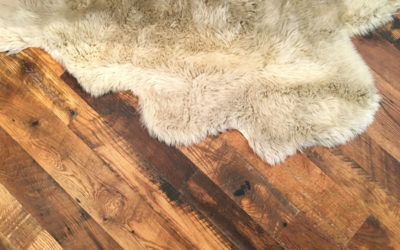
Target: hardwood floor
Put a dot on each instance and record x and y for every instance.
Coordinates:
(82, 173)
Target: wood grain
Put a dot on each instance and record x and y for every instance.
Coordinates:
(351, 178)
(322, 199)
(214, 203)
(19, 229)
(372, 235)
(5, 243)
(255, 195)
(59, 214)
(242, 183)
(49, 61)
(381, 57)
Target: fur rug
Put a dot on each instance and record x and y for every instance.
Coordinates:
(284, 72)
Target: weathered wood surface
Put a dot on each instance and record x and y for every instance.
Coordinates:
(82, 173)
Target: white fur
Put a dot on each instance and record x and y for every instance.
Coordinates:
(284, 72)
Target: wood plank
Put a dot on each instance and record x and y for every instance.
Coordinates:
(384, 130)
(118, 155)
(56, 67)
(59, 214)
(118, 120)
(372, 235)
(262, 201)
(381, 57)
(39, 80)
(324, 203)
(104, 194)
(381, 166)
(351, 178)
(5, 244)
(255, 195)
(301, 233)
(19, 229)
(390, 102)
(210, 199)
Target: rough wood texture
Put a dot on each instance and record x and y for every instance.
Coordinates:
(19, 229)
(82, 173)
(47, 202)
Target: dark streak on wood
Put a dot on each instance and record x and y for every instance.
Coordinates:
(122, 117)
(226, 215)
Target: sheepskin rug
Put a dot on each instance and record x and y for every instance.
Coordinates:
(284, 72)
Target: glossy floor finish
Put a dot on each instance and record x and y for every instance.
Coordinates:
(82, 173)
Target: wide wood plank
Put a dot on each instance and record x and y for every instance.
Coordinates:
(19, 229)
(259, 198)
(352, 178)
(59, 214)
(262, 201)
(243, 230)
(379, 165)
(324, 203)
(383, 59)
(372, 235)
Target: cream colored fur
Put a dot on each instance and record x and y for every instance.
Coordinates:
(282, 71)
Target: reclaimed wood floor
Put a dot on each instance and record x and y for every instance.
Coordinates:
(82, 173)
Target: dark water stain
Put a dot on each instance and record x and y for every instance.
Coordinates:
(248, 185)
(242, 190)
(239, 192)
